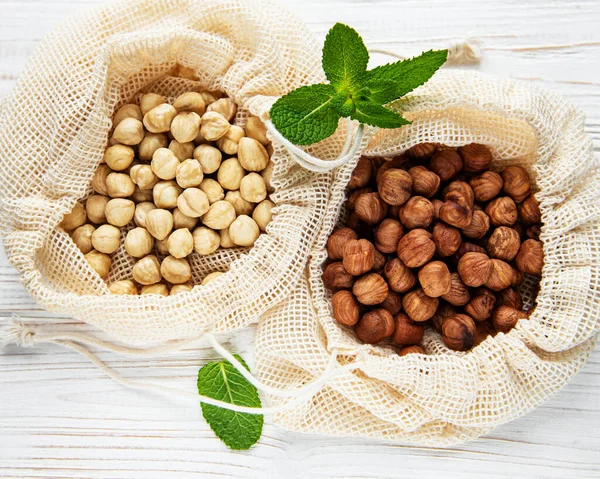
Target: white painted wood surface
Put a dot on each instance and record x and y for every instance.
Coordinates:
(60, 417)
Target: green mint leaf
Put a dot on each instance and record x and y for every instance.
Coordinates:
(307, 114)
(220, 380)
(345, 57)
(377, 115)
(377, 91)
(408, 74)
(344, 104)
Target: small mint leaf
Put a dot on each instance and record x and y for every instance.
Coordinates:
(377, 91)
(377, 115)
(345, 57)
(307, 114)
(220, 380)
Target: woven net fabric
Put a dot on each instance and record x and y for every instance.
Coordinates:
(447, 397)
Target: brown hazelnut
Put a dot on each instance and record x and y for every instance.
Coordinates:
(421, 151)
(518, 278)
(354, 195)
(501, 277)
(446, 164)
(370, 289)
(487, 185)
(394, 186)
(337, 241)
(447, 239)
(459, 294)
(444, 311)
(467, 247)
(399, 276)
(414, 349)
(459, 332)
(505, 318)
(335, 276)
(435, 279)
(396, 162)
(387, 235)
(361, 175)
(481, 305)
(392, 302)
(417, 212)
(370, 208)
(425, 183)
(378, 262)
(529, 211)
(437, 204)
(475, 269)
(516, 183)
(359, 256)
(483, 330)
(504, 243)
(534, 231)
(502, 211)
(475, 157)
(419, 306)
(407, 331)
(416, 248)
(375, 326)
(345, 308)
(355, 223)
(461, 187)
(510, 297)
(480, 224)
(457, 210)
(530, 258)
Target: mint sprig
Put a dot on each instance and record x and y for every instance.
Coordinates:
(311, 113)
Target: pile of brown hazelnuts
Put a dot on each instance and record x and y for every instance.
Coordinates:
(434, 238)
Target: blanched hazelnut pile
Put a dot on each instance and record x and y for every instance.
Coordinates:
(175, 179)
(434, 239)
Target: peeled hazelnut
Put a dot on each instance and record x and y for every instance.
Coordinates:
(267, 175)
(459, 332)
(151, 143)
(159, 223)
(361, 175)
(180, 288)
(421, 151)
(119, 185)
(189, 173)
(256, 129)
(502, 211)
(230, 174)
(82, 237)
(335, 276)
(211, 277)
(118, 157)
(504, 243)
(224, 106)
(147, 270)
(371, 208)
(375, 326)
(475, 157)
(229, 142)
(166, 193)
(186, 126)
(479, 226)
(143, 177)
(159, 288)
(466, 247)
(487, 185)
(530, 258)
(392, 302)
(262, 214)
(106, 239)
(99, 179)
(183, 221)
(205, 241)
(158, 120)
(183, 151)
(138, 242)
(501, 277)
(209, 158)
(220, 215)
(244, 231)
(400, 278)
(456, 210)
(425, 183)
(119, 211)
(529, 211)
(226, 241)
(534, 231)
(164, 164)
(395, 186)
(370, 289)
(459, 294)
(162, 246)
(151, 100)
(447, 239)
(416, 248)
(516, 183)
(129, 132)
(241, 206)
(180, 243)
(175, 270)
(190, 101)
(253, 188)
(94, 208)
(123, 287)
(505, 318)
(345, 308)
(210, 96)
(446, 164)
(127, 111)
(193, 202)
(214, 126)
(407, 331)
(337, 241)
(419, 306)
(435, 279)
(387, 235)
(481, 305)
(99, 262)
(417, 212)
(139, 196)
(252, 155)
(414, 349)
(358, 257)
(141, 210)
(510, 297)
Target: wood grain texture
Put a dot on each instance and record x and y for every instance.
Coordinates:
(61, 418)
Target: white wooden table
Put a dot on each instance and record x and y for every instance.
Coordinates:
(60, 417)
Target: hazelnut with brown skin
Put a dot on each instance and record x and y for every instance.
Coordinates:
(346, 309)
(510, 297)
(530, 258)
(475, 269)
(396, 162)
(337, 241)
(505, 318)
(392, 302)
(518, 278)
(457, 210)
(462, 187)
(502, 211)
(421, 151)
(378, 262)
(335, 276)
(407, 332)
(359, 256)
(394, 186)
(459, 293)
(400, 278)
(387, 235)
(529, 211)
(467, 247)
(419, 306)
(475, 157)
(375, 326)
(370, 289)
(447, 239)
(361, 175)
(481, 305)
(504, 243)
(417, 212)
(371, 208)
(487, 185)
(354, 195)
(501, 277)
(437, 204)
(444, 311)
(425, 183)
(414, 349)
(516, 183)
(446, 164)
(416, 248)
(480, 224)
(458, 332)
(435, 279)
